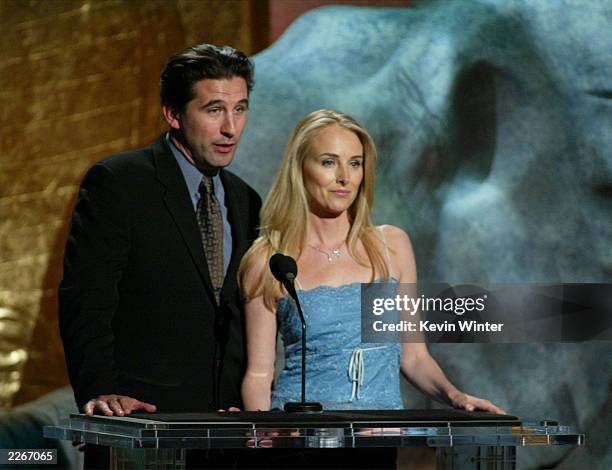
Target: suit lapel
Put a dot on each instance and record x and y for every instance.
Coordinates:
(239, 235)
(179, 205)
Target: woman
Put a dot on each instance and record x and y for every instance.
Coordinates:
(318, 212)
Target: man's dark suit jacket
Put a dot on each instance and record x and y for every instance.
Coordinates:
(137, 311)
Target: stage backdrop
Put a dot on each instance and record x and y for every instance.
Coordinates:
(493, 122)
(78, 81)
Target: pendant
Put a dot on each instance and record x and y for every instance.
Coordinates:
(330, 256)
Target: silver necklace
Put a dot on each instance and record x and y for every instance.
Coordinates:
(330, 256)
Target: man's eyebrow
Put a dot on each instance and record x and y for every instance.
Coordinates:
(210, 103)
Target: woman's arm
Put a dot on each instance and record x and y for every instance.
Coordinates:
(417, 365)
(261, 351)
(423, 372)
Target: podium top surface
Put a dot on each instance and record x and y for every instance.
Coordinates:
(328, 418)
(379, 428)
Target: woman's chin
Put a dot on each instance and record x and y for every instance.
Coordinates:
(330, 211)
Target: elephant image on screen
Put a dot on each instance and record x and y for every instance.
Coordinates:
(493, 122)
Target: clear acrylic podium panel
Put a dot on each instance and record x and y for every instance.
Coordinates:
(461, 439)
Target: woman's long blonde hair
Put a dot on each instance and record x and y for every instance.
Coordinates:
(284, 213)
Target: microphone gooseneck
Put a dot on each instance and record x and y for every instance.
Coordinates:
(284, 270)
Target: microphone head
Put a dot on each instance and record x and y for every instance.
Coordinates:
(283, 267)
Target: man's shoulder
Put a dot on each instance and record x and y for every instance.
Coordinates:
(238, 184)
(129, 160)
(128, 165)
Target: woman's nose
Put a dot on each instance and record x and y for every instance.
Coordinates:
(341, 175)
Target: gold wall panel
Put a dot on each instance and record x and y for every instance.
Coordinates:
(78, 81)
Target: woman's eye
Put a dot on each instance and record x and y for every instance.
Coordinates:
(356, 163)
(327, 162)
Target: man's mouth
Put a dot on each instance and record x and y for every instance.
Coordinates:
(225, 147)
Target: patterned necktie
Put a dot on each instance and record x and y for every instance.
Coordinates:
(210, 221)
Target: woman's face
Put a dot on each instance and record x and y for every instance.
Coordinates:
(333, 171)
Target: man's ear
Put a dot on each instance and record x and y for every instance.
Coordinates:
(172, 117)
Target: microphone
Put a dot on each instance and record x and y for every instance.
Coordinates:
(284, 270)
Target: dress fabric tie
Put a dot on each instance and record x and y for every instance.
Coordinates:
(210, 222)
(356, 370)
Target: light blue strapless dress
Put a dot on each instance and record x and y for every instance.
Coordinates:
(341, 372)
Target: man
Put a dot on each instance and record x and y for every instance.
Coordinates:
(149, 313)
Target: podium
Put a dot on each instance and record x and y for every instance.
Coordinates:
(460, 439)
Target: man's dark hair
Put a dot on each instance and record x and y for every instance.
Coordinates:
(201, 62)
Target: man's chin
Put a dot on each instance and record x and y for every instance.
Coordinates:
(214, 163)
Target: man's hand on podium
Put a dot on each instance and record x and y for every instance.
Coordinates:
(231, 408)
(463, 401)
(116, 405)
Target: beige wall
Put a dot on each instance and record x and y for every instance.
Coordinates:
(78, 81)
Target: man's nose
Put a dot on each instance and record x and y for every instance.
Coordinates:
(228, 128)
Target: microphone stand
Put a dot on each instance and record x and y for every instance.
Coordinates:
(303, 406)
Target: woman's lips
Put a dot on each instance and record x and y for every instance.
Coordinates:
(341, 192)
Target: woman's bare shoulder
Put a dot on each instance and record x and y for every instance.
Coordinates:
(396, 237)
(401, 252)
